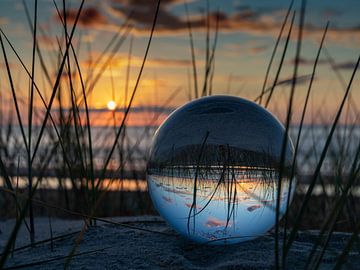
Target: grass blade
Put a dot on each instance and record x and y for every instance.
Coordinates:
(300, 131)
(274, 51)
(134, 91)
(316, 173)
(281, 63)
(14, 94)
(57, 82)
(192, 50)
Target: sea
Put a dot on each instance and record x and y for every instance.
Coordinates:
(133, 149)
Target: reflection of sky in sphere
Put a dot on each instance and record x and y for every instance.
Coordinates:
(214, 168)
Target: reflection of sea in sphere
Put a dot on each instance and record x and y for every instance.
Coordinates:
(213, 172)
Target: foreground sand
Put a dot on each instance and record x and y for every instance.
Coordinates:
(111, 246)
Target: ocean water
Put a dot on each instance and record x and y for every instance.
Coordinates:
(138, 141)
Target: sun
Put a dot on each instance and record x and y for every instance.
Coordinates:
(111, 105)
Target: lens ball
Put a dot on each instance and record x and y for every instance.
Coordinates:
(215, 170)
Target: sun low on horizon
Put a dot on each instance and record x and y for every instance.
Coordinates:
(111, 105)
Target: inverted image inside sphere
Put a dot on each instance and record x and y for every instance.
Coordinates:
(213, 172)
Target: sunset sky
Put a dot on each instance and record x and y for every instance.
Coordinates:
(247, 34)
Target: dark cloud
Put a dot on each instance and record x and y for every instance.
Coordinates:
(242, 19)
(109, 15)
(89, 17)
(341, 65)
(350, 65)
(167, 22)
(306, 61)
(145, 3)
(142, 13)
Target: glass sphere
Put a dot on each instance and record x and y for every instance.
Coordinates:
(213, 171)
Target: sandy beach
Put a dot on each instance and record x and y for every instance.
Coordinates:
(147, 242)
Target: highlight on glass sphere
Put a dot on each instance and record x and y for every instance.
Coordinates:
(214, 170)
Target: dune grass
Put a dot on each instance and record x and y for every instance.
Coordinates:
(72, 133)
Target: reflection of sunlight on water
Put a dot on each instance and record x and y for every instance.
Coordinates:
(107, 184)
(141, 185)
(124, 185)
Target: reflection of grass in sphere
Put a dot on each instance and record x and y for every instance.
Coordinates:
(214, 170)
